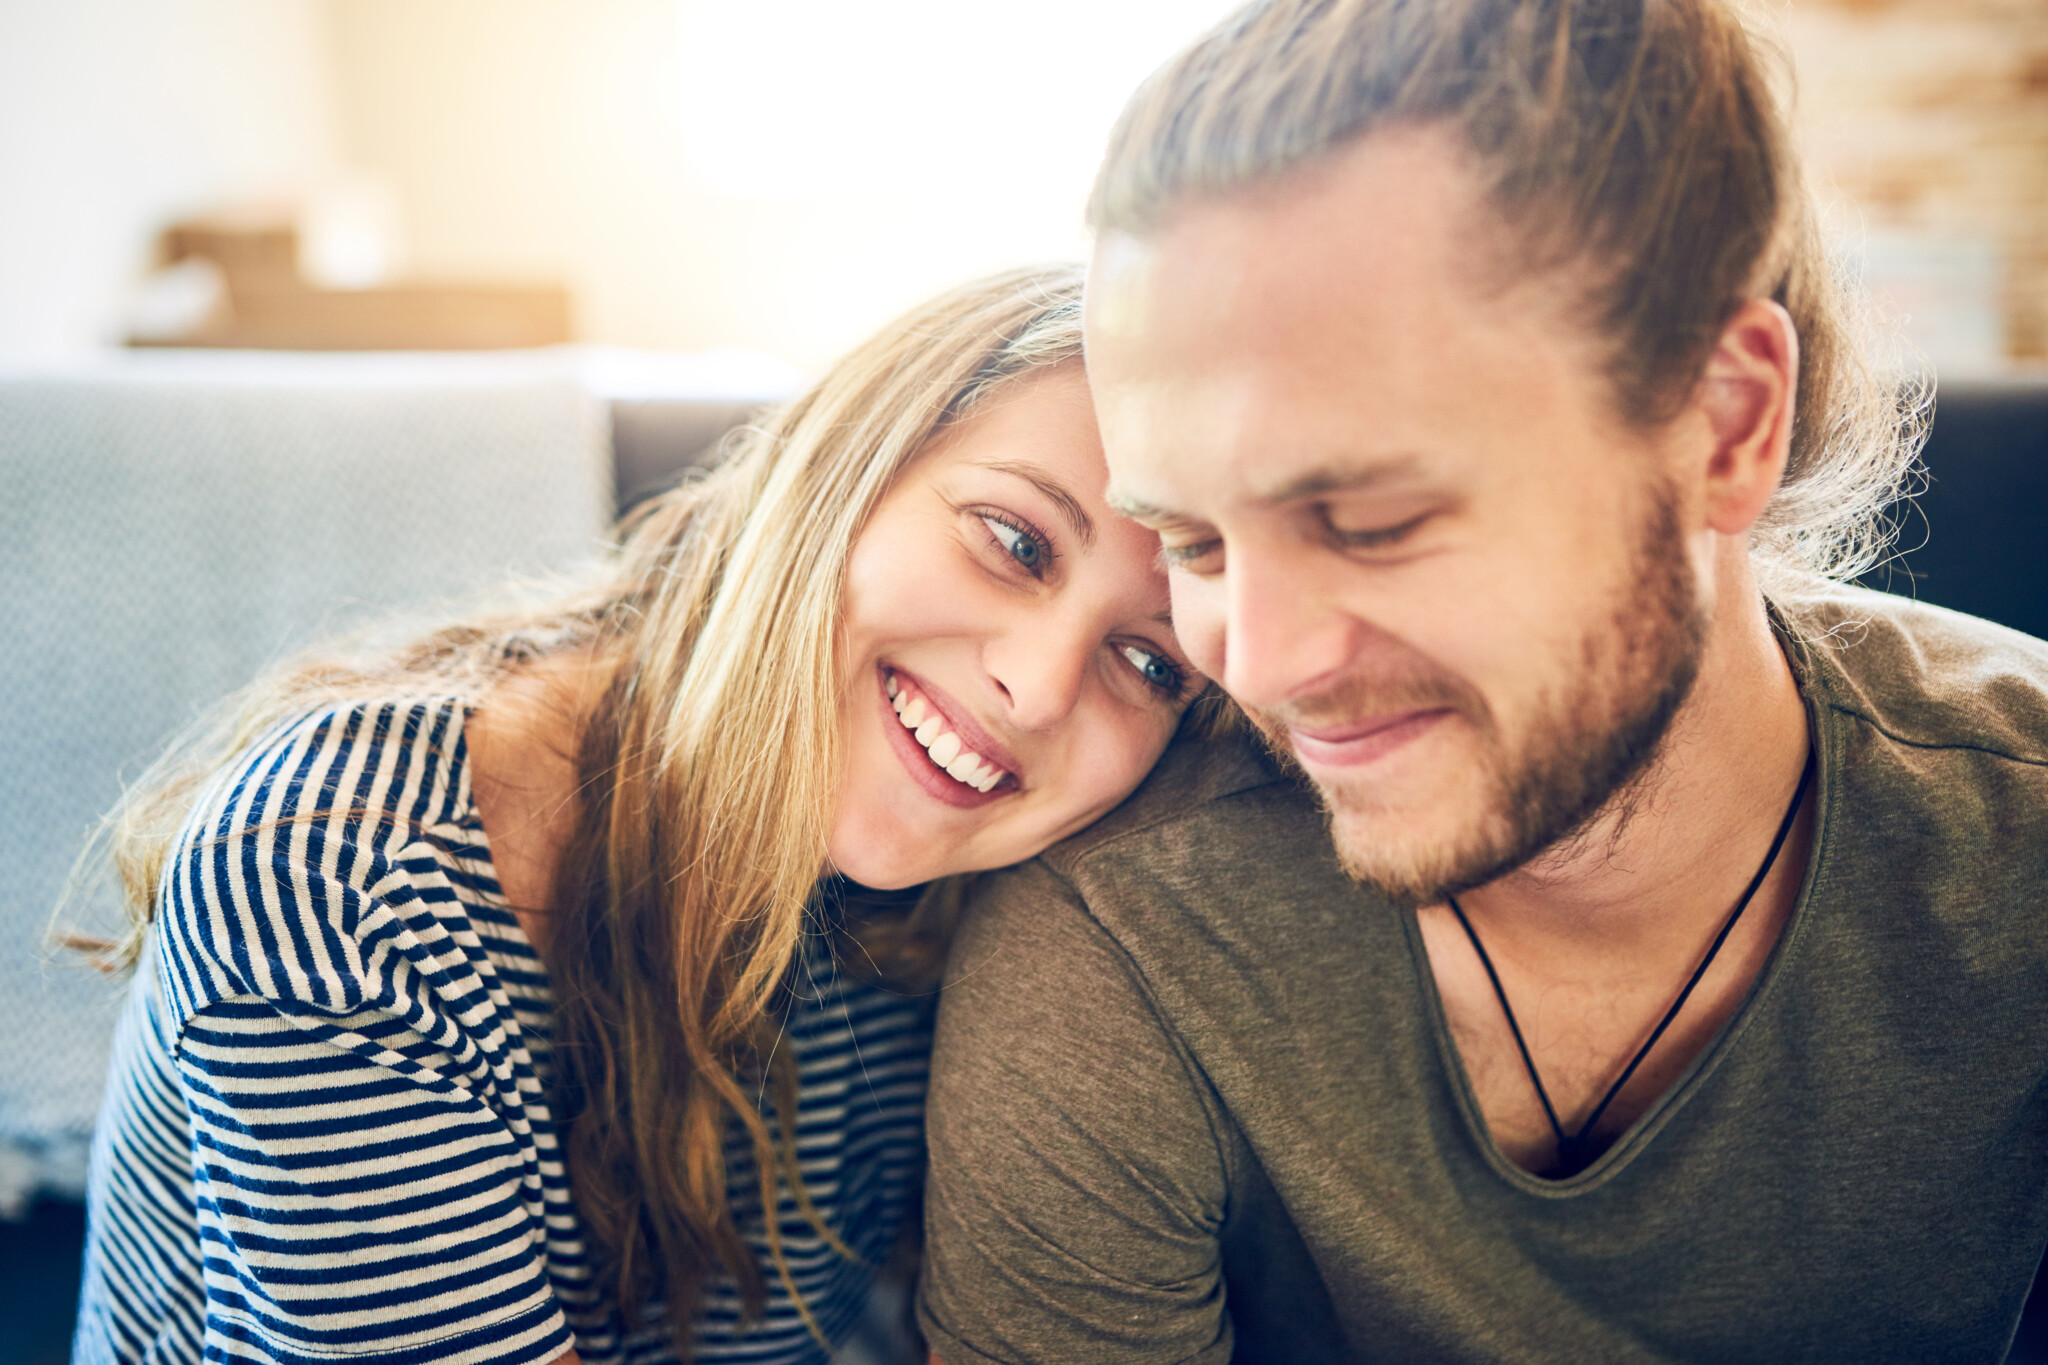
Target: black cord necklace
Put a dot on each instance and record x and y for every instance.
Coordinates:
(1574, 1150)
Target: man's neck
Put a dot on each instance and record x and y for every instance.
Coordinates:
(1594, 940)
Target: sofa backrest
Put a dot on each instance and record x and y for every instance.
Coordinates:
(170, 525)
(1976, 538)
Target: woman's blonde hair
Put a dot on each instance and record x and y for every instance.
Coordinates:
(708, 768)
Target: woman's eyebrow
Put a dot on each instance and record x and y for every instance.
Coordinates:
(1075, 515)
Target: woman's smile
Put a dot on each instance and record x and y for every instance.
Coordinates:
(949, 756)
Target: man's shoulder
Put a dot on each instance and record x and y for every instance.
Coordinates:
(1923, 675)
(1197, 792)
(1216, 864)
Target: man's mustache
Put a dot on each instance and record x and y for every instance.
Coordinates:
(1358, 697)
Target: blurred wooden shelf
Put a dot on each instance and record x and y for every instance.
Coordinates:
(267, 305)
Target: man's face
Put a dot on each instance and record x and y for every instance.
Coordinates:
(1405, 526)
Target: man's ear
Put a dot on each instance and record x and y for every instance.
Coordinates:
(1746, 396)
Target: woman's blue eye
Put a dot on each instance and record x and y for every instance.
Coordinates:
(1155, 669)
(1023, 547)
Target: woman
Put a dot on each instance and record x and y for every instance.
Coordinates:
(491, 991)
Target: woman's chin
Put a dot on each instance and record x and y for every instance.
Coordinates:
(883, 879)
(885, 859)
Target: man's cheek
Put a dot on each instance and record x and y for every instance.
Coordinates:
(1199, 620)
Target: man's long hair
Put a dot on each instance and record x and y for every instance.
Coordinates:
(1635, 142)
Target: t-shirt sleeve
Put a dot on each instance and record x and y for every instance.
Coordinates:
(1077, 1185)
(367, 1179)
(362, 1206)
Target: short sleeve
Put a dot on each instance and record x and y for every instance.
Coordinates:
(1077, 1186)
(355, 1203)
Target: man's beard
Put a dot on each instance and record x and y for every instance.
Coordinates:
(1589, 739)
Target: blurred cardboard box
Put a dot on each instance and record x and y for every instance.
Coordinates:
(235, 281)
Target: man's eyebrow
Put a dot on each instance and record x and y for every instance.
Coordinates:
(1341, 478)
(1137, 509)
(1076, 515)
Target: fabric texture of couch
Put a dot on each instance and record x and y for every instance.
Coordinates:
(172, 524)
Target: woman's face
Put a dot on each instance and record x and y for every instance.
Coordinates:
(1013, 670)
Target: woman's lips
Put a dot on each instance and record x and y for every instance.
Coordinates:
(1362, 742)
(919, 762)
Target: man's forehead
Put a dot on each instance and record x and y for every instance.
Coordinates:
(1386, 207)
(1313, 331)
(1119, 274)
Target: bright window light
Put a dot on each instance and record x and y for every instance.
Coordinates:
(920, 98)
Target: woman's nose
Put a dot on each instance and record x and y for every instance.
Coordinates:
(1040, 666)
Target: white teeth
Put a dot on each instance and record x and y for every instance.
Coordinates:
(890, 684)
(960, 763)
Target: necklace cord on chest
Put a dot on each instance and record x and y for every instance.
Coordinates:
(1571, 1147)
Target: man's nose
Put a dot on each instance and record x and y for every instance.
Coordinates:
(1282, 632)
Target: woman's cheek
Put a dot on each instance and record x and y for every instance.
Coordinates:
(1121, 753)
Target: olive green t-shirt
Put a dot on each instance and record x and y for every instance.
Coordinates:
(1194, 1098)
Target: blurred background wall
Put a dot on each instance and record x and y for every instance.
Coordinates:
(117, 116)
(779, 175)
(1925, 125)
(783, 174)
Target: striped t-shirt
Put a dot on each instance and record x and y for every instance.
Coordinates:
(327, 1132)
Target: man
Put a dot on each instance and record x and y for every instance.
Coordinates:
(1632, 947)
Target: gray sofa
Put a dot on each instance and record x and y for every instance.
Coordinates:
(172, 523)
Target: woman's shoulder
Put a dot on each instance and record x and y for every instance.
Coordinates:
(367, 764)
(330, 826)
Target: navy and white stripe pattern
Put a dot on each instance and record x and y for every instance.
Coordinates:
(327, 1132)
